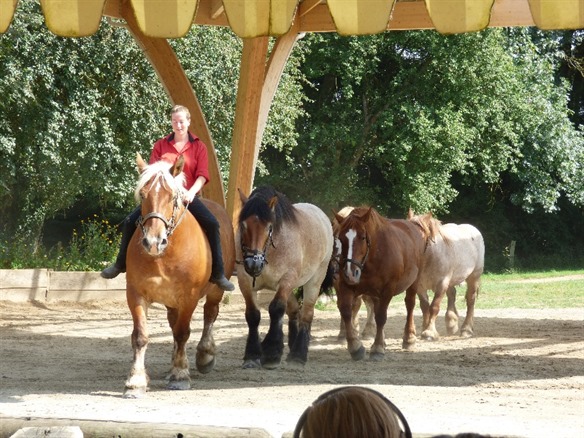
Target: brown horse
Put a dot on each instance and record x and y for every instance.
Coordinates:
(380, 257)
(169, 262)
(369, 329)
(456, 254)
(283, 246)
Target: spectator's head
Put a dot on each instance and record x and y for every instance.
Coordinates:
(352, 412)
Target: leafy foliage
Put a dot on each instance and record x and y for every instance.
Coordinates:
(395, 119)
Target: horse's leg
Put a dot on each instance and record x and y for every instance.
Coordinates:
(409, 338)
(345, 299)
(342, 328)
(370, 327)
(378, 348)
(292, 309)
(430, 333)
(451, 316)
(206, 349)
(180, 322)
(253, 349)
(299, 348)
(425, 308)
(137, 382)
(472, 290)
(273, 343)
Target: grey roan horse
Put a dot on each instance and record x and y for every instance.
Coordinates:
(280, 246)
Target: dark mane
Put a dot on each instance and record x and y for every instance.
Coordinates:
(258, 204)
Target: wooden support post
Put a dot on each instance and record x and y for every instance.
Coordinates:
(258, 83)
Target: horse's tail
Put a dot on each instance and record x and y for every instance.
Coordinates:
(327, 284)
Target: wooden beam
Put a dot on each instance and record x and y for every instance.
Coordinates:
(179, 90)
(246, 126)
(314, 15)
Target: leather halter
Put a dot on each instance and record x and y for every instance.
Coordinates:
(170, 224)
(360, 264)
(255, 254)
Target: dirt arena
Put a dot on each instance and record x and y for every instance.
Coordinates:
(522, 375)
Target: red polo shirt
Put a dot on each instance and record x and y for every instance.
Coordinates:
(194, 152)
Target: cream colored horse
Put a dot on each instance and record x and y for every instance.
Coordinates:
(454, 256)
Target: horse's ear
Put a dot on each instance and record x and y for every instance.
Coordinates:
(338, 217)
(410, 213)
(367, 214)
(140, 163)
(178, 165)
(242, 196)
(272, 202)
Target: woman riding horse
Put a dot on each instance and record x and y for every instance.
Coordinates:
(181, 143)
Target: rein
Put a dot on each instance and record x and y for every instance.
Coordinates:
(256, 255)
(170, 224)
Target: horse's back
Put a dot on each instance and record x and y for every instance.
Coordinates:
(317, 229)
(304, 246)
(458, 255)
(399, 252)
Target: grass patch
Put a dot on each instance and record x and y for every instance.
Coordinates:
(526, 290)
(533, 290)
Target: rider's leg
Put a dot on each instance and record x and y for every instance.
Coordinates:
(128, 228)
(211, 227)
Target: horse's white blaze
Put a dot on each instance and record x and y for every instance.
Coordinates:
(351, 234)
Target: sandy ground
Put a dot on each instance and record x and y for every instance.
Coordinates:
(522, 375)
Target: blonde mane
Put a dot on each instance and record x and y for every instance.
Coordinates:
(160, 169)
(429, 225)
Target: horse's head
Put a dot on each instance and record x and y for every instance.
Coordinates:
(159, 190)
(256, 225)
(429, 226)
(354, 240)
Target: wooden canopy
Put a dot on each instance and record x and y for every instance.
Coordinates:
(152, 22)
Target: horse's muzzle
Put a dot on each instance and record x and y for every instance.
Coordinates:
(352, 274)
(254, 264)
(155, 245)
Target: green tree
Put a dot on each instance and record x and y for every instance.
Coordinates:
(402, 119)
(74, 112)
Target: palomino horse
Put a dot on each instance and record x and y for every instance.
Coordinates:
(455, 254)
(379, 257)
(282, 246)
(169, 262)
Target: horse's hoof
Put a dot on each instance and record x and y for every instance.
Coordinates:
(206, 368)
(179, 385)
(427, 336)
(295, 361)
(408, 345)
(251, 364)
(466, 333)
(376, 357)
(271, 364)
(134, 393)
(359, 354)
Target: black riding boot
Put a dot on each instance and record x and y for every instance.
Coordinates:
(217, 268)
(128, 228)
